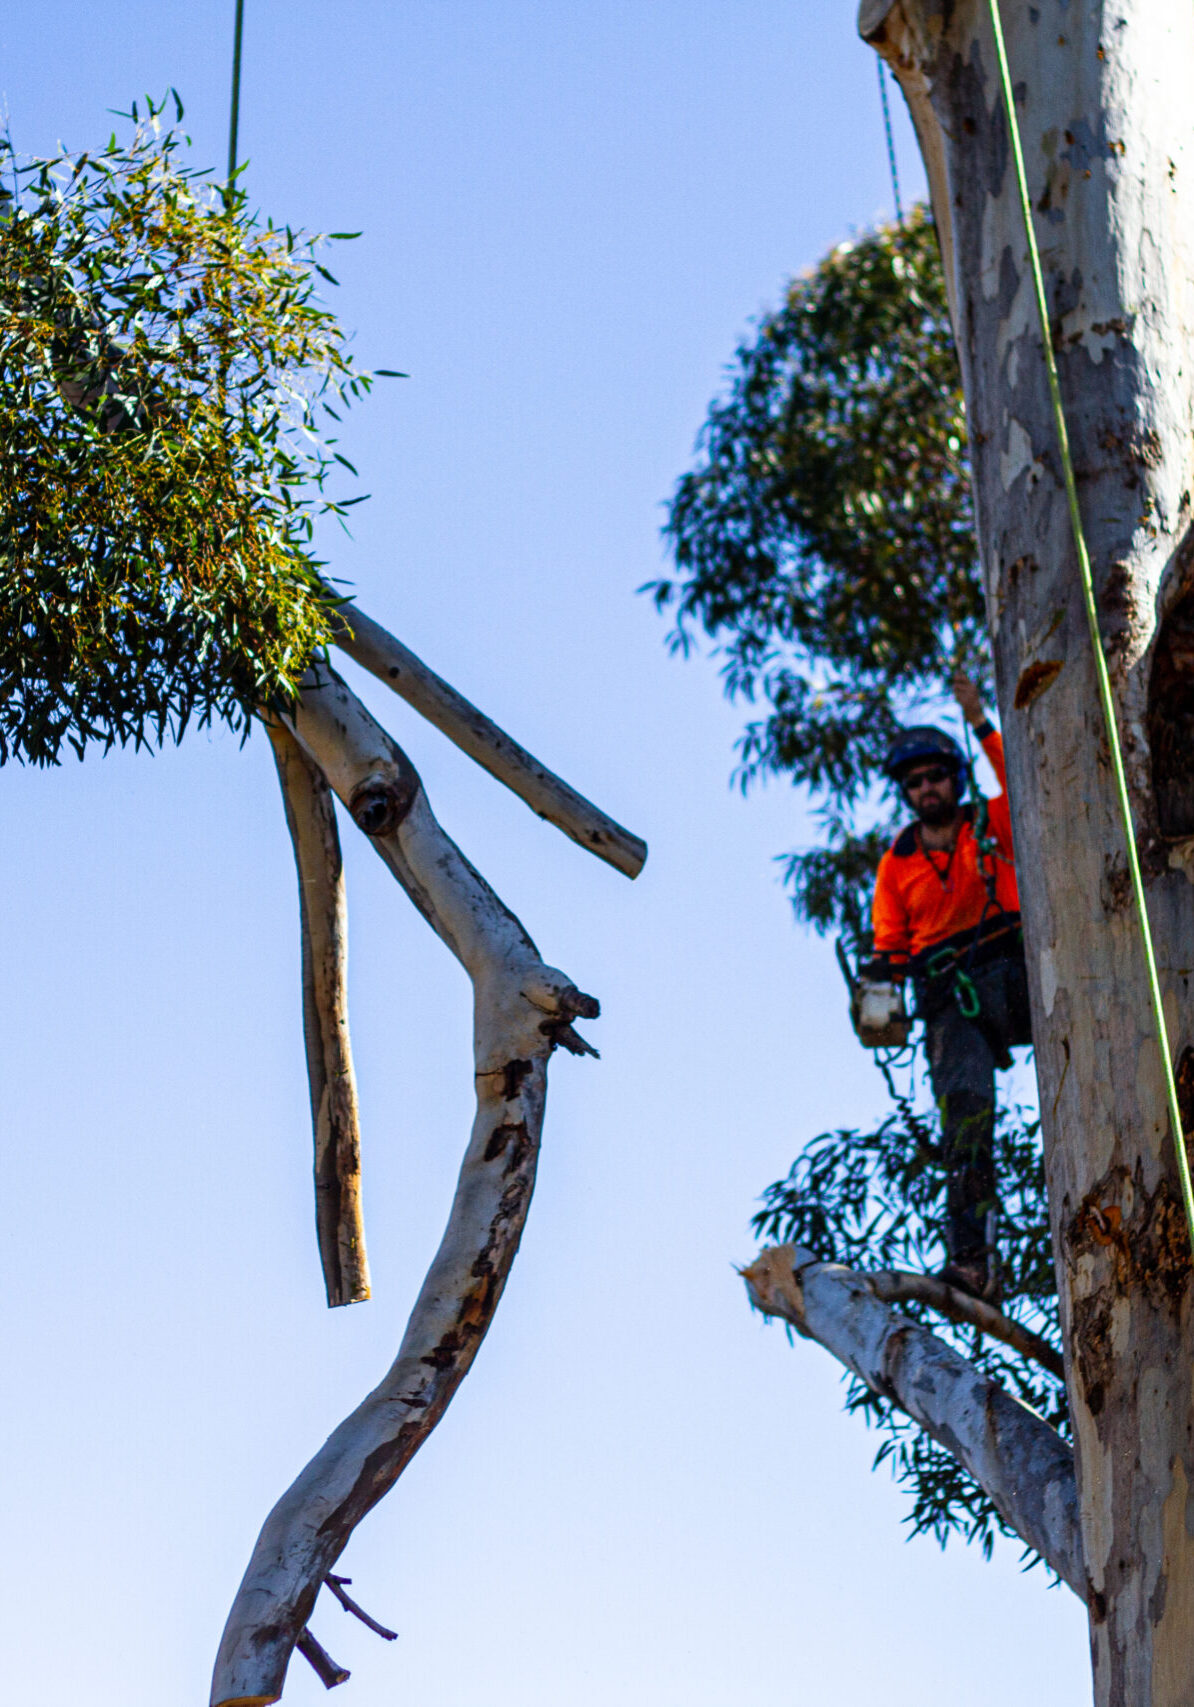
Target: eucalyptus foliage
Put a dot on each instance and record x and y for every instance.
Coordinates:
(876, 1200)
(824, 541)
(165, 364)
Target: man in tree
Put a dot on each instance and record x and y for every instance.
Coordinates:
(946, 912)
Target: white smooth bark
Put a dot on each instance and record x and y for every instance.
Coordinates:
(335, 1115)
(377, 651)
(1102, 93)
(1016, 1458)
(522, 1010)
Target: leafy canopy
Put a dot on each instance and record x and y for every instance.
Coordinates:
(824, 541)
(165, 362)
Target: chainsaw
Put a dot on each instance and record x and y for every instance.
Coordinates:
(878, 1011)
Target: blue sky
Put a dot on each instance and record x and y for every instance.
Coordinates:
(642, 1494)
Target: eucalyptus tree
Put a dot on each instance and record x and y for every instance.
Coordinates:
(824, 541)
(1099, 92)
(170, 390)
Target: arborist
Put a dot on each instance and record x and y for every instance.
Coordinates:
(946, 914)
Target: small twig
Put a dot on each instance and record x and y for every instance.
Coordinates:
(336, 1584)
(893, 1286)
(320, 1661)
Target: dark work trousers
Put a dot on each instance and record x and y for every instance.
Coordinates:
(962, 1060)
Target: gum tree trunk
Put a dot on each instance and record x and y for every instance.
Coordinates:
(1103, 96)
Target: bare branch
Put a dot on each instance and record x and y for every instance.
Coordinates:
(1023, 1465)
(337, 1586)
(376, 650)
(520, 1006)
(311, 818)
(896, 1286)
(320, 1661)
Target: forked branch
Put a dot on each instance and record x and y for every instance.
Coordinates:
(1023, 1465)
(311, 818)
(521, 1008)
(376, 650)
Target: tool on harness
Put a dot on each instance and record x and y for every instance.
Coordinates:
(878, 1010)
(966, 995)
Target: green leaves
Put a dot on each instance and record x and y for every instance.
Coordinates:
(824, 540)
(162, 355)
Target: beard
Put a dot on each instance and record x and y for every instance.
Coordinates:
(937, 813)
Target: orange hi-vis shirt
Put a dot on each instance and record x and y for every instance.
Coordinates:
(923, 896)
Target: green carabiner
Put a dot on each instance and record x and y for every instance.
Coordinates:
(967, 995)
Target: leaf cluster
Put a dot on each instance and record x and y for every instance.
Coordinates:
(167, 373)
(824, 541)
(876, 1200)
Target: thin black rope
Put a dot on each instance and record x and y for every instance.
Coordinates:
(891, 153)
(234, 115)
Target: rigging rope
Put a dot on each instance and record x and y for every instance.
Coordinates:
(1092, 618)
(891, 153)
(234, 114)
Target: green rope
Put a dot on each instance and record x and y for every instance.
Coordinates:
(234, 114)
(1092, 618)
(891, 153)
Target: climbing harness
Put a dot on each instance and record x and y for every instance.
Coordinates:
(1092, 619)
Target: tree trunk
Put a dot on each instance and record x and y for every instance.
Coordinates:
(1103, 100)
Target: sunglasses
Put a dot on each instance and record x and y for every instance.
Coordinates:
(934, 774)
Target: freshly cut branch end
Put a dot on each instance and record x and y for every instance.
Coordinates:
(1021, 1463)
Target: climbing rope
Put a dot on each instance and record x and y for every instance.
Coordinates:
(1092, 618)
(234, 114)
(891, 153)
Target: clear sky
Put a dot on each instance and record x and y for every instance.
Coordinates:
(642, 1493)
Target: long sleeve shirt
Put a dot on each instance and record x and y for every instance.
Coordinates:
(923, 896)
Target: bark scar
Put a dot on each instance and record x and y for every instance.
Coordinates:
(1035, 680)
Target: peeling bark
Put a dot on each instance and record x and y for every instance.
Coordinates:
(376, 650)
(335, 1118)
(1102, 98)
(522, 1009)
(1022, 1464)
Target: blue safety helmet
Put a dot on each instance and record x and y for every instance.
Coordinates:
(914, 746)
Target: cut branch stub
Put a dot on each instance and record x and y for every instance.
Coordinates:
(520, 1003)
(335, 1118)
(376, 650)
(380, 802)
(320, 1661)
(1021, 1463)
